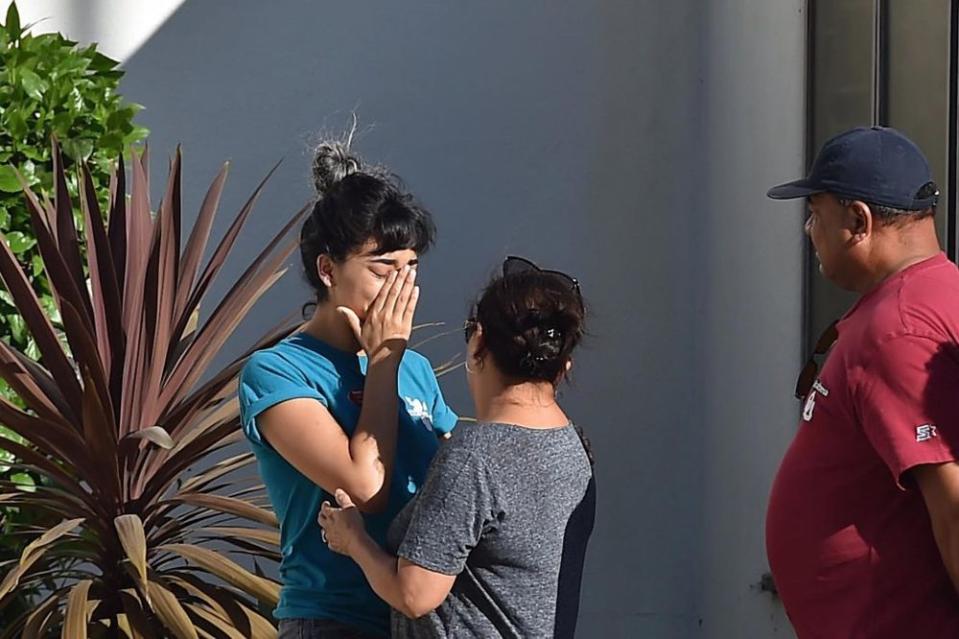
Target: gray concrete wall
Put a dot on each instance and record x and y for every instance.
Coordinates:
(629, 143)
(751, 304)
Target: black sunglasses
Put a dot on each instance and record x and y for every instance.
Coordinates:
(513, 265)
(807, 377)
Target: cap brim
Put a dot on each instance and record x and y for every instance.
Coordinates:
(793, 190)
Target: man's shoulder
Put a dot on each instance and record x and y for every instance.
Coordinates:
(927, 304)
(924, 305)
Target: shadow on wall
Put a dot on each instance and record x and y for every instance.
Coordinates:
(119, 27)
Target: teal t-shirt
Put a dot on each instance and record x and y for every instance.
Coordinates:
(316, 582)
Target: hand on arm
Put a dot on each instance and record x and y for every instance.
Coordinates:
(305, 433)
(410, 589)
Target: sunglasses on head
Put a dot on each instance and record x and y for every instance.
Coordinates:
(513, 266)
(807, 377)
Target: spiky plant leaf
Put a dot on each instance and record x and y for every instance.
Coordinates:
(171, 612)
(76, 617)
(123, 410)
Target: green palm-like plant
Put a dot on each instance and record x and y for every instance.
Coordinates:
(120, 411)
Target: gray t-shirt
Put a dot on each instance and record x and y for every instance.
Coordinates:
(506, 509)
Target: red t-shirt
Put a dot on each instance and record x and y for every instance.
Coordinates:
(847, 532)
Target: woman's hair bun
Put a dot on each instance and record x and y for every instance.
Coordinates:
(332, 161)
(531, 323)
(543, 339)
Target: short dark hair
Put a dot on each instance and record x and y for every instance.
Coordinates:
(887, 215)
(531, 322)
(357, 203)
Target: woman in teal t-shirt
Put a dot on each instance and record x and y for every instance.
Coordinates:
(343, 403)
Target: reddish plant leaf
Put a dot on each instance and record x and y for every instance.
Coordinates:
(107, 305)
(196, 245)
(66, 234)
(93, 418)
(219, 255)
(40, 327)
(117, 229)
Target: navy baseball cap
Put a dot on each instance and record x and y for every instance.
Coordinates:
(877, 165)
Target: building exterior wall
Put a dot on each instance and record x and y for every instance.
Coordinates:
(627, 142)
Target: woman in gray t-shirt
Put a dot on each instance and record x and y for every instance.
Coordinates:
(493, 545)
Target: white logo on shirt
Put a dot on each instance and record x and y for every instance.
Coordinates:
(925, 432)
(418, 409)
(810, 406)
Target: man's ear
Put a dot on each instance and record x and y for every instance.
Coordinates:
(861, 220)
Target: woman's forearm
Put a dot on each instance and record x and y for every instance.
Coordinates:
(410, 589)
(381, 572)
(373, 444)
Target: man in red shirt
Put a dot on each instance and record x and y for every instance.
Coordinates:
(862, 530)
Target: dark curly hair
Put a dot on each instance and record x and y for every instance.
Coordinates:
(532, 322)
(357, 203)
